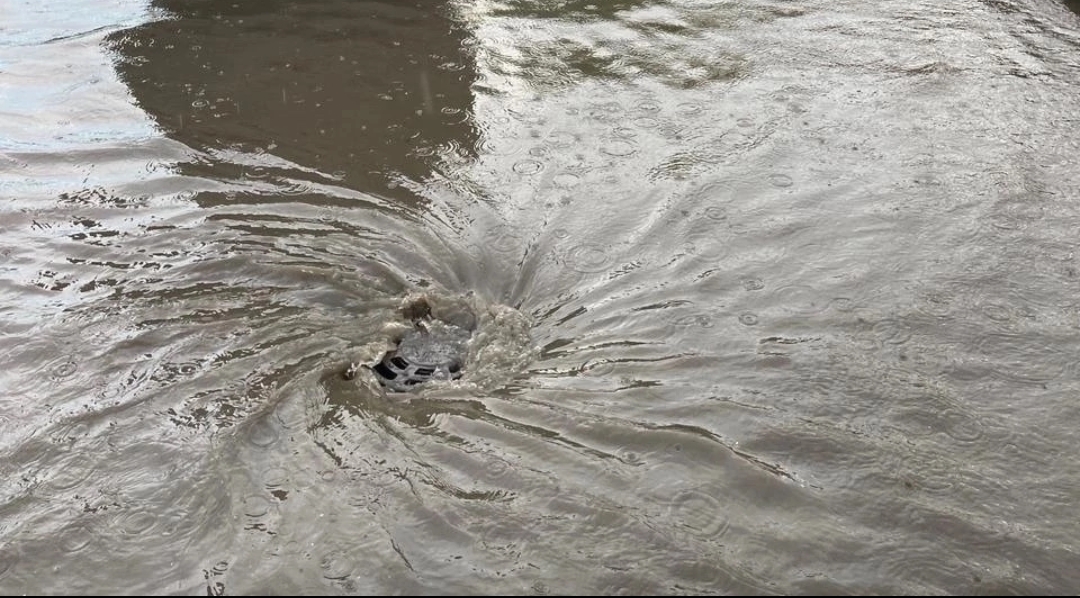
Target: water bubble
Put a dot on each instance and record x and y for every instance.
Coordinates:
(560, 233)
(618, 148)
(629, 456)
(699, 320)
(753, 284)
(601, 367)
(496, 467)
(748, 319)
(716, 213)
(997, 313)
(528, 167)
(220, 567)
(842, 304)
(255, 172)
(107, 391)
(561, 138)
(647, 106)
(606, 111)
(497, 147)
(780, 180)
(566, 180)
(200, 103)
(64, 370)
(688, 108)
(646, 122)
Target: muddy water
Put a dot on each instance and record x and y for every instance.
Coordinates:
(768, 297)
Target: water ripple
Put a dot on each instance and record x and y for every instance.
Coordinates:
(503, 239)
(619, 148)
(588, 258)
(891, 331)
(336, 564)
(924, 570)
(257, 506)
(76, 537)
(73, 470)
(9, 557)
(528, 167)
(64, 369)
(263, 433)
(1023, 358)
(800, 299)
(748, 319)
(131, 521)
(698, 514)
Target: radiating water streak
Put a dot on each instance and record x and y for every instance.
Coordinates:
(504, 441)
(174, 297)
(953, 533)
(609, 293)
(575, 421)
(535, 251)
(491, 241)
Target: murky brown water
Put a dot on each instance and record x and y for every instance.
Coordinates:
(771, 297)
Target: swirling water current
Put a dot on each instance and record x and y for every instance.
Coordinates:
(771, 297)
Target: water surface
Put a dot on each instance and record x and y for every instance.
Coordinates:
(770, 297)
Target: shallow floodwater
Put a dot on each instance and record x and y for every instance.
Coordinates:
(770, 297)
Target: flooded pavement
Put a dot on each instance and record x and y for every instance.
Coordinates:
(764, 298)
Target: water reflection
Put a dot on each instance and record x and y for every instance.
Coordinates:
(353, 94)
(621, 42)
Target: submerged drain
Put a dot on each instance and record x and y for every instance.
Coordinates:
(432, 349)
